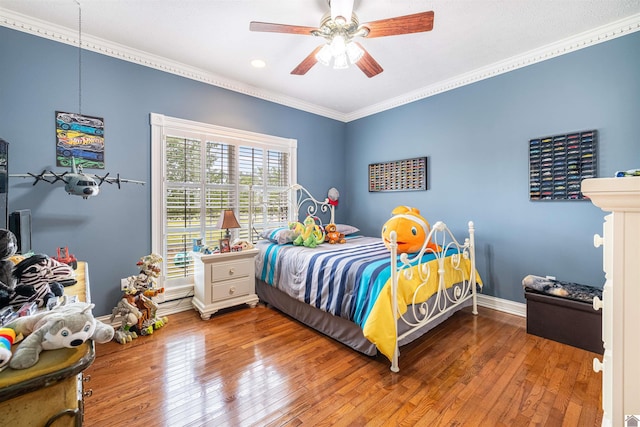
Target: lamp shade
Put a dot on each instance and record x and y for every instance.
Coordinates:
(227, 220)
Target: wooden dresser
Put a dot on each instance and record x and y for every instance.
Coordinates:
(620, 295)
(51, 392)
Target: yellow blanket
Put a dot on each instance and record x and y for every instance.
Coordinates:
(376, 327)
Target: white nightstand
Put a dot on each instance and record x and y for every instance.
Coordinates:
(224, 280)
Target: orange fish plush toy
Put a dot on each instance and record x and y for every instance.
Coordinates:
(411, 228)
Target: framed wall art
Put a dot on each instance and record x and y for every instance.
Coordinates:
(398, 175)
(80, 137)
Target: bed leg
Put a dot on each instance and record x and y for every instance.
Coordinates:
(472, 253)
(394, 362)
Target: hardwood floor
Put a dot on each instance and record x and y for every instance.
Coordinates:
(259, 367)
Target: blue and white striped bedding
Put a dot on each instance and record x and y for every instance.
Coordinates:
(343, 279)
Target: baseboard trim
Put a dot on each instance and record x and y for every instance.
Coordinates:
(506, 306)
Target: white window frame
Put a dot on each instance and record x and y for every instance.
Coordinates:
(161, 126)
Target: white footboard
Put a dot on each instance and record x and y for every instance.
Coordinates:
(444, 301)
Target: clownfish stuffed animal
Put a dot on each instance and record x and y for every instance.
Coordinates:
(411, 228)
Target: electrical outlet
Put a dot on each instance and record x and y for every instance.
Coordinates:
(124, 284)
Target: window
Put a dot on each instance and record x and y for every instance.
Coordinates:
(201, 170)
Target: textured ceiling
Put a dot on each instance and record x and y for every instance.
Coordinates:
(210, 39)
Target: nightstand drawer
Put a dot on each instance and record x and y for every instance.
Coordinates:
(232, 289)
(231, 270)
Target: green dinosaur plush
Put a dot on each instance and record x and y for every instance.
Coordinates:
(67, 326)
(311, 236)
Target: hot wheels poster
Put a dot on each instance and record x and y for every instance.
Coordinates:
(80, 137)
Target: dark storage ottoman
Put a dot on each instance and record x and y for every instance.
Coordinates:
(564, 320)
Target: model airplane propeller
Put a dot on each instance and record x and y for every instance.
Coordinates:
(76, 182)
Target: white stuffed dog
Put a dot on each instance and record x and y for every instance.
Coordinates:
(65, 326)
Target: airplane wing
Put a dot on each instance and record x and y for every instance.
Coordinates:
(116, 180)
(45, 176)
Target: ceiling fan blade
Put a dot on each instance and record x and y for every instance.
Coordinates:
(307, 63)
(367, 64)
(269, 27)
(416, 23)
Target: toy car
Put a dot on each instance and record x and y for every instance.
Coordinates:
(65, 257)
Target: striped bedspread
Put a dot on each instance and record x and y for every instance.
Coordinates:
(345, 280)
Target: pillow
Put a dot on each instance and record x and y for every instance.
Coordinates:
(279, 235)
(346, 229)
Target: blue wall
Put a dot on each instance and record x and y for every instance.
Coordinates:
(476, 138)
(111, 231)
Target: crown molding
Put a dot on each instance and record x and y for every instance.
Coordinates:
(589, 38)
(60, 34)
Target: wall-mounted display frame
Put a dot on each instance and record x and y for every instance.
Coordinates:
(398, 175)
(557, 165)
(80, 137)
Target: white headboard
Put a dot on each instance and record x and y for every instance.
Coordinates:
(301, 201)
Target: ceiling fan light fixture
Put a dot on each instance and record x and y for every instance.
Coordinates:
(324, 55)
(354, 52)
(340, 62)
(338, 45)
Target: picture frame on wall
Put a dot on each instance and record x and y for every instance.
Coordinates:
(224, 246)
(79, 137)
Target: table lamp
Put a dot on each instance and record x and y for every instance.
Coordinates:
(227, 220)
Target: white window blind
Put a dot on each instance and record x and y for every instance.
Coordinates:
(205, 169)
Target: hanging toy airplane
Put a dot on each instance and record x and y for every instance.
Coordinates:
(76, 182)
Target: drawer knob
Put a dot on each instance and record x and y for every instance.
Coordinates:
(86, 378)
(87, 393)
(597, 365)
(597, 303)
(231, 272)
(597, 240)
(232, 290)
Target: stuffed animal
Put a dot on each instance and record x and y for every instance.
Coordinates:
(312, 235)
(332, 196)
(411, 228)
(333, 235)
(7, 338)
(296, 230)
(244, 244)
(8, 248)
(38, 279)
(66, 326)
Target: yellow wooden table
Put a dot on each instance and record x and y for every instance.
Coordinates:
(50, 392)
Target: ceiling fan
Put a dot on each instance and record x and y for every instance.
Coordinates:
(340, 32)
